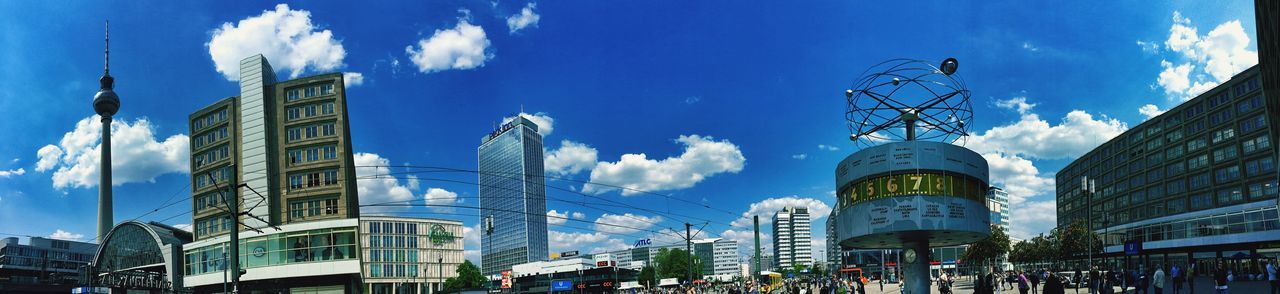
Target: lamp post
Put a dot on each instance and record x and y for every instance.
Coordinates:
(488, 231)
(1087, 186)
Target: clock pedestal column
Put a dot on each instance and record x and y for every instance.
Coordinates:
(915, 267)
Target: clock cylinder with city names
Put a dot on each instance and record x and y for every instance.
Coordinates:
(914, 190)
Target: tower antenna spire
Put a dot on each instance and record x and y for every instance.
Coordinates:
(106, 48)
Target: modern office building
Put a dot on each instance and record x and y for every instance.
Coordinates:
(289, 144)
(513, 194)
(998, 203)
(791, 237)
(1267, 14)
(834, 250)
(719, 256)
(42, 265)
(404, 255)
(1194, 184)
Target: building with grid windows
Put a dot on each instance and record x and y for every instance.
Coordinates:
(1192, 185)
(282, 151)
(998, 203)
(409, 255)
(42, 265)
(513, 194)
(792, 237)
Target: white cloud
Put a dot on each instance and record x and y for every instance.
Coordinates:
(828, 147)
(376, 185)
(136, 155)
(766, 208)
(1032, 137)
(570, 158)
(1018, 104)
(578, 215)
(1220, 54)
(473, 255)
(747, 242)
(184, 227)
(64, 235)
(14, 172)
(1019, 177)
(1151, 47)
(1027, 46)
(48, 157)
(436, 197)
(524, 19)
(471, 235)
(462, 47)
(692, 99)
(800, 156)
(285, 37)
(412, 182)
(545, 122)
(1175, 79)
(702, 157)
(562, 241)
(1031, 218)
(353, 79)
(557, 218)
(626, 223)
(1150, 110)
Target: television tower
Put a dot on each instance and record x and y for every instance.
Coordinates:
(105, 103)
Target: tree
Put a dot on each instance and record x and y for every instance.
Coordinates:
(648, 277)
(674, 263)
(1073, 241)
(988, 249)
(469, 277)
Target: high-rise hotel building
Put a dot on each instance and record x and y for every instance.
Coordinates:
(513, 194)
(287, 143)
(1192, 185)
(792, 235)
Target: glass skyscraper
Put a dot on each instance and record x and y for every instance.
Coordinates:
(513, 193)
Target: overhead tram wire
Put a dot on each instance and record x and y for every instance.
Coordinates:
(544, 215)
(165, 204)
(513, 218)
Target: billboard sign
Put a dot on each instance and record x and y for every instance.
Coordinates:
(569, 253)
(1132, 247)
(506, 279)
(561, 285)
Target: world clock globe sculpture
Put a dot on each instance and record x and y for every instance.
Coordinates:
(910, 186)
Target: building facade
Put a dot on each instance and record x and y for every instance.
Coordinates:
(998, 203)
(791, 237)
(404, 255)
(286, 146)
(513, 194)
(42, 265)
(1192, 185)
(719, 256)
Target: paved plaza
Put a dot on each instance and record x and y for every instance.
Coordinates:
(1203, 285)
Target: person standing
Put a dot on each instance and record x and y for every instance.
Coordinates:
(1158, 280)
(1220, 279)
(1176, 272)
(1035, 281)
(1023, 283)
(1271, 277)
(1191, 279)
(1053, 284)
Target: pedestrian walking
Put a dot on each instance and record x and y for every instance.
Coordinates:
(1158, 280)
(1053, 284)
(1178, 278)
(1220, 279)
(1191, 279)
(1271, 277)
(1023, 283)
(1035, 281)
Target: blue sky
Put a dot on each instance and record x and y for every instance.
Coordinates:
(737, 106)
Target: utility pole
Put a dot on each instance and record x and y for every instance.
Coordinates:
(756, 220)
(1088, 194)
(688, 247)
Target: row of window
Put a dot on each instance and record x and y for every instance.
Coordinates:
(1121, 211)
(212, 155)
(1259, 220)
(383, 241)
(220, 175)
(393, 255)
(25, 251)
(313, 179)
(308, 91)
(382, 270)
(311, 131)
(311, 110)
(393, 228)
(1171, 121)
(303, 209)
(277, 249)
(312, 154)
(213, 225)
(1223, 154)
(209, 120)
(211, 137)
(212, 200)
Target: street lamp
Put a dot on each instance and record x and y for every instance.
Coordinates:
(1087, 186)
(488, 231)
